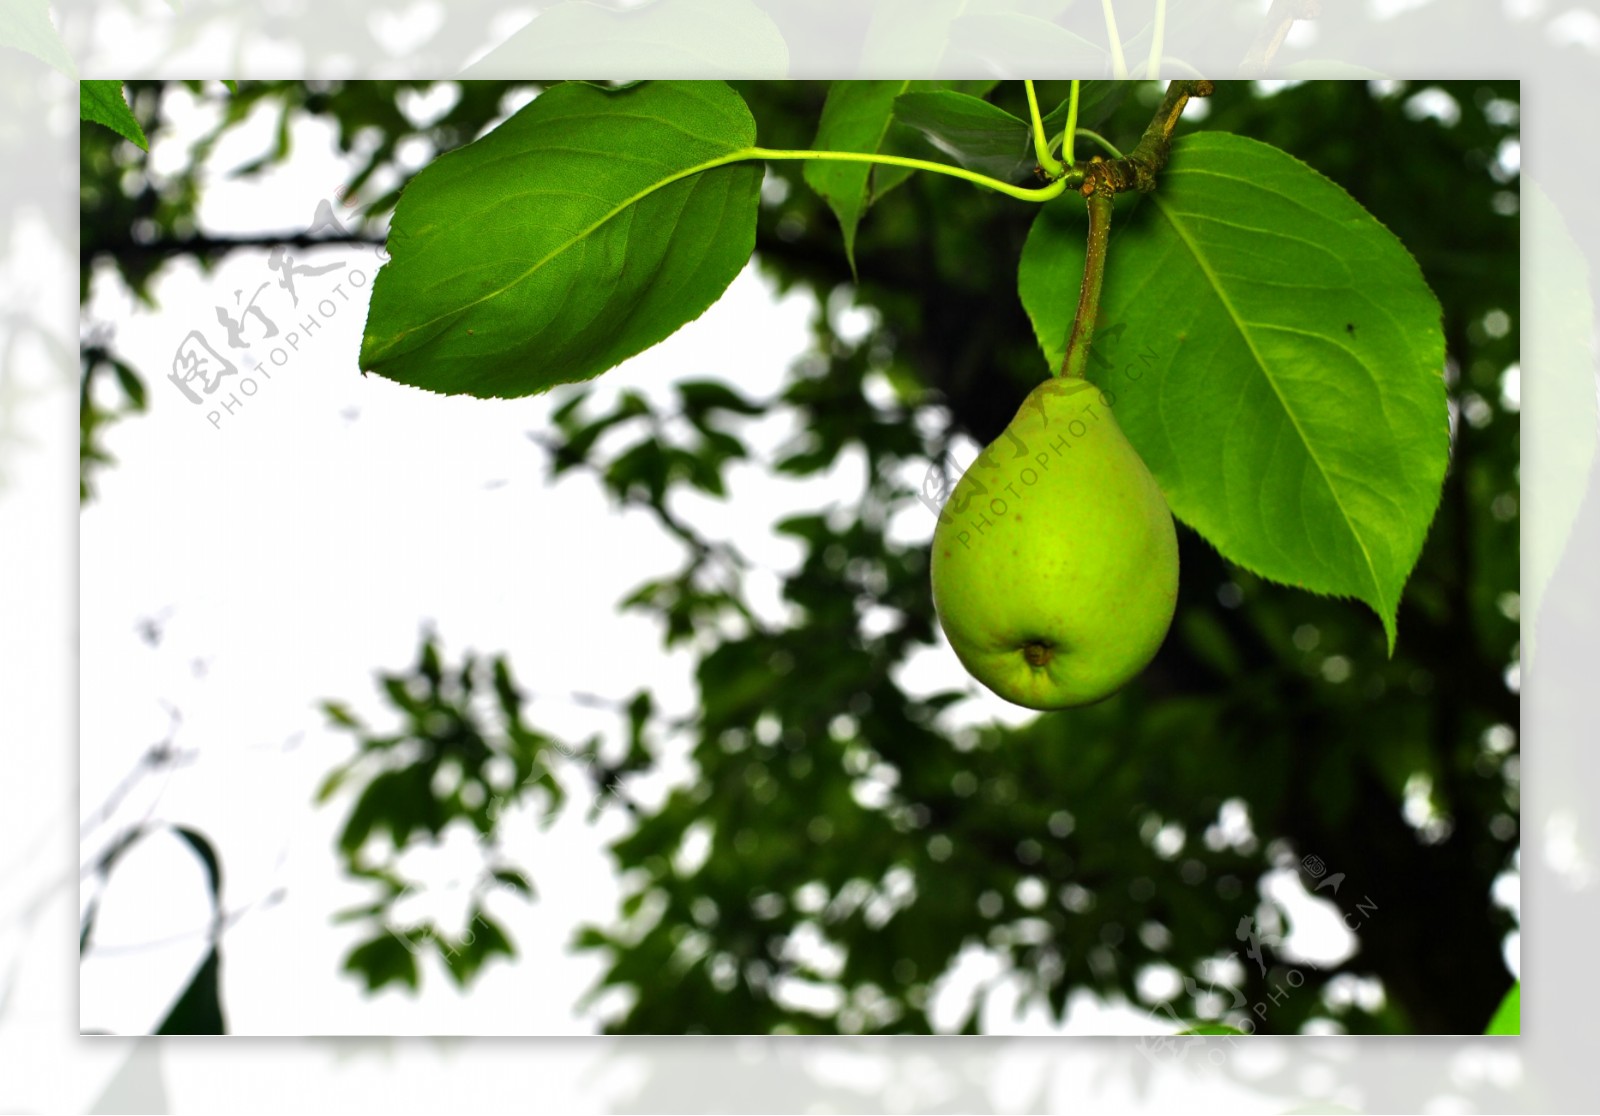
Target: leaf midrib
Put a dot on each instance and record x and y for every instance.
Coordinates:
(1242, 327)
(582, 234)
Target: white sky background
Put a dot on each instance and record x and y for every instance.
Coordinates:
(300, 547)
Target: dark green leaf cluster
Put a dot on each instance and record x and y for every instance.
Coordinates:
(1091, 846)
(109, 389)
(462, 753)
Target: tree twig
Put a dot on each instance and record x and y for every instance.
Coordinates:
(209, 247)
(1138, 169)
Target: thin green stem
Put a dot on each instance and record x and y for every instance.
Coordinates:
(1069, 138)
(1023, 193)
(1041, 142)
(1094, 273)
(1119, 64)
(1104, 143)
(1156, 42)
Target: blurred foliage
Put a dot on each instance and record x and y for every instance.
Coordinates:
(198, 1007)
(840, 845)
(95, 412)
(462, 753)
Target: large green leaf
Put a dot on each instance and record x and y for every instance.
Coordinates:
(1274, 355)
(103, 103)
(586, 228)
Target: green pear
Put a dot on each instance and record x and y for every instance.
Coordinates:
(1055, 562)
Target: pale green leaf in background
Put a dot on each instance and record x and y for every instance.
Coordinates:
(1558, 340)
(1016, 38)
(666, 38)
(1276, 358)
(25, 25)
(578, 233)
(103, 103)
(908, 36)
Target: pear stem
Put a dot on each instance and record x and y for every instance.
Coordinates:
(1094, 273)
(1102, 181)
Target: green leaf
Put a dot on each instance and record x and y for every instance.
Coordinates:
(199, 1010)
(484, 939)
(103, 103)
(1212, 1029)
(581, 231)
(132, 385)
(514, 880)
(331, 782)
(1508, 1016)
(1096, 101)
(1276, 358)
(384, 959)
(208, 859)
(700, 397)
(980, 136)
(233, 86)
(667, 38)
(860, 116)
(856, 117)
(339, 713)
(361, 912)
(25, 25)
(400, 801)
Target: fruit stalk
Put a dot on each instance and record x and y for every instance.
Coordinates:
(1094, 272)
(1102, 181)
